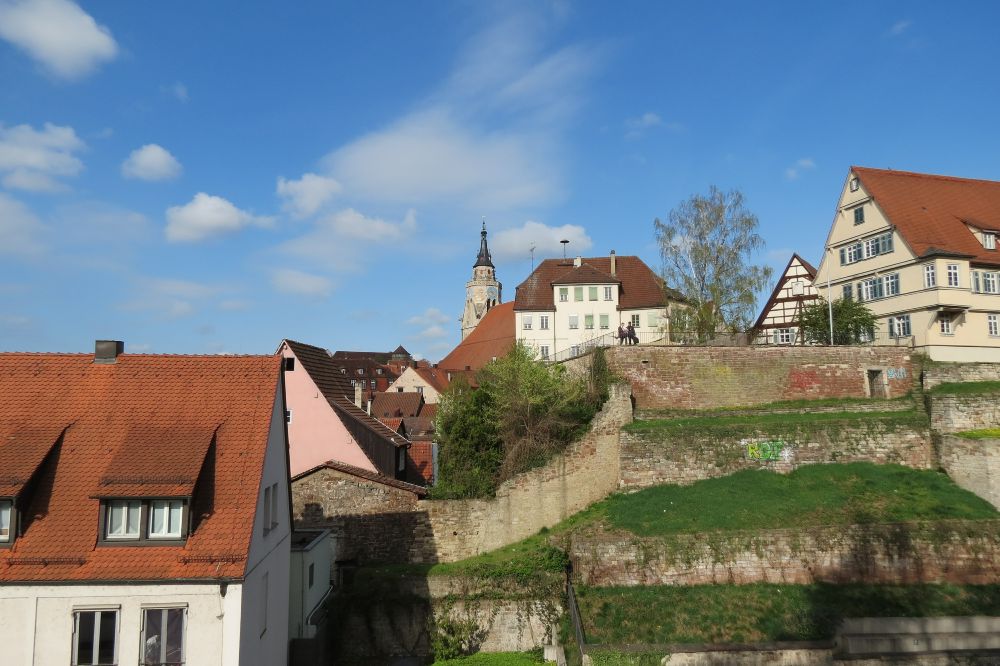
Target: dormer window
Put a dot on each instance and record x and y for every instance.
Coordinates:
(989, 240)
(135, 520)
(6, 518)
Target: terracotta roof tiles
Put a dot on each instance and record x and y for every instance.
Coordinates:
(492, 338)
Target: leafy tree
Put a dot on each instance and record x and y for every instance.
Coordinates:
(853, 322)
(707, 243)
(520, 415)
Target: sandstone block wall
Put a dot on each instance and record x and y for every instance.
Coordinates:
(653, 457)
(974, 464)
(705, 377)
(940, 373)
(966, 552)
(955, 413)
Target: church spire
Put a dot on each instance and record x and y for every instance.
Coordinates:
(484, 251)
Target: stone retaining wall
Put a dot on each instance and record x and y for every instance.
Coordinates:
(654, 457)
(974, 464)
(966, 552)
(940, 373)
(964, 411)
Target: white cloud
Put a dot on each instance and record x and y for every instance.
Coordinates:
(206, 216)
(57, 33)
(31, 159)
(431, 156)
(20, 229)
(170, 298)
(151, 162)
(899, 27)
(350, 223)
(800, 166)
(291, 281)
(516, 243)
(305, 196)
(429, 317)
(636, 127)
(337, 240)
(433, 333)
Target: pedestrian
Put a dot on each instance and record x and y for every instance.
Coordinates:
(633, 339)
(622, 334)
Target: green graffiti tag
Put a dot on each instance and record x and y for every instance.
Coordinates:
(767, 451)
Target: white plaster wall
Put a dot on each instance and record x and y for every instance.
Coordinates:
(36, 621)
(409, 380)
(560, 337)
(269, 561)
(316, 434)
(304, 599)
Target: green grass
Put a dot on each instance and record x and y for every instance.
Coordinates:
(985, 433)
(749, 422)
(784, 404)
(495, 659)
(762, 612)
(809, 496)
(959, 388)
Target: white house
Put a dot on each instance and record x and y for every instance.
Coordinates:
(564, 304)
(144, 510)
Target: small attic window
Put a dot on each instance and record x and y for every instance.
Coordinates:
(989, 240)
(855, 184)
(6, 512)
(289, 363)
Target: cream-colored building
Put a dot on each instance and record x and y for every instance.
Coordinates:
(566, 305)
(920, 250)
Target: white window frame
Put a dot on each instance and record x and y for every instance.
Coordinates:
(98, 612)
(899, 326)
(544, 352)
(930, 276)
(608, 294)
(976, 284)
(989, 240)
(526, 322)
(854, 184)
(635, 321)
(129, 506)
(891, 284)
(173, 531)
(574, 322)
(165, 610)
(543, 322)
(945, 323)
(859, 214)
(6, 520)
(992, 325)
(563, 294)
(954, 277)
(604, 321)
(784, 336)
(990, 282)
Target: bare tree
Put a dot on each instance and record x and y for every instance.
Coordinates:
(707, 244)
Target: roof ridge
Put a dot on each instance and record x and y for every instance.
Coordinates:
(917, 174)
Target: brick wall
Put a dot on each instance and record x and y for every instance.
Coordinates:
(940, 373)
(684, 456)
(974, 464)
(965, 552)
(971, 411)
(703, 377)
(373, 522)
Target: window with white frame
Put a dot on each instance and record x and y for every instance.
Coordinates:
(989, 240)
(577, 294)
(855, 185)
(990, 282)
(608, 294)
(591, 293)
(95, 637)
(944, 322)
(891, 284)
(163, 636)
(563, 294)
(783, 336)
(976, 283)
(574, 322)
(859, 215)
(543, 322)
(6, 511)
(952, 275)
(123, 521)
(930, 276)
(635, 321)
(992, 326)
(899, 326)
(588, 322)
(526, 322)
(847, 291)
(872, 289)
(574, 350)
(165, 519)
(544, 352)
(605, 322)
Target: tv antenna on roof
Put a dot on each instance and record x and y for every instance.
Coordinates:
(532, 251)
(564, 242)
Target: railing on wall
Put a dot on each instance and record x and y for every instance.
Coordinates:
(608, 340)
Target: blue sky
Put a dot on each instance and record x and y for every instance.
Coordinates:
(203, 177)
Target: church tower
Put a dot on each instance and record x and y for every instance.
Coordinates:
(483, 291)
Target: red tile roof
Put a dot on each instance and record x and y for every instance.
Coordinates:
(429, 410)
(100, 407)
(436, 378)
(364, 474)
(396, 404)
(172, 472)
(640, 286)
(930, 212)
(492, 338)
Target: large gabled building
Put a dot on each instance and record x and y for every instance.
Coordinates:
(921, 251)
(144, 509)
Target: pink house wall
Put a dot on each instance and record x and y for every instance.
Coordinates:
(315, 434)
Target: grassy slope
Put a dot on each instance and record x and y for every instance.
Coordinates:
(762, 612)
(958, 388)
(785, 421)
(845, 403)
(495, 659)
(985, 433)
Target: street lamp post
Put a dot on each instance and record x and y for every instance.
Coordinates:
(829, 298)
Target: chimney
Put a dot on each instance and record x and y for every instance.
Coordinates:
(578, 262)
(614, 264)
(357, 395)
(107, 351)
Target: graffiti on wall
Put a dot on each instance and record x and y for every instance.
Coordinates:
(768, 450)
(896, 373)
